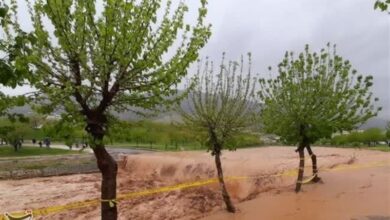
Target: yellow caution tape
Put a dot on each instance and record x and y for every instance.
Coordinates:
(126, 196)
(26, 215)
(111, 202)
(307, 180)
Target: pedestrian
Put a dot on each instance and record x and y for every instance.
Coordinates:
(40, 143)
(47, 142)
(20, 143)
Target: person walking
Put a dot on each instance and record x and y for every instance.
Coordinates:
(47, 142)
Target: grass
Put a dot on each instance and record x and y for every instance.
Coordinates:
(7, 151)
(383, 148)
(161, 147)
(25, 163)
(170, 147)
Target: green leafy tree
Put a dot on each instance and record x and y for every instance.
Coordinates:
(372, 136)
(15, 136)
(48, 129)
(340, 139)
(221, 104)
(355, 138)
(383, 5)
(10, 75)
(4, 130)
(97, 61)
(66, 131)
(313, 96)
(37, 120)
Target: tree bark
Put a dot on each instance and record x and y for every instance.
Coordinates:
(106, 164)
(108, 168)
(301, 167)
(314, 164)
(225, 194)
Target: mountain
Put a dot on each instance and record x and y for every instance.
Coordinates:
(377, 122)
(380, 121)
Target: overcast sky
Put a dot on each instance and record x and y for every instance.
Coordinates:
(268, 28)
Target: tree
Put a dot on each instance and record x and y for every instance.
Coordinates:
(15, 136)
(98, 61)
(373, 135)
(221, 104)
(313, 96)
(341, 139)
(354, 138)
(37, 121)
(4, 131)
(9, 75)
(65, 129)
(383, 5)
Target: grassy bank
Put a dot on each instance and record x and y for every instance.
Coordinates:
(244, 141)
(7, 151)
(383, 148)
(380, 148)
(140, 134)
(158, 147)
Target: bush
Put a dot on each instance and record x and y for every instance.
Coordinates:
(368, 137)
(168, 135)
(140, 133)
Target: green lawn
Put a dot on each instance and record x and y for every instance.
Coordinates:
(161, 147)
(6, 151)
(384, 148)
(169, 147)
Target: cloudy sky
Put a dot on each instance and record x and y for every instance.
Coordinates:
(268, 28)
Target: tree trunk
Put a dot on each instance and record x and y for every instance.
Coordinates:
(314, 164)
(301, 167)
(225, 194)
(96, 127)
(108, 168)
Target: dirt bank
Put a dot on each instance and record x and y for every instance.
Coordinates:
(139, 172)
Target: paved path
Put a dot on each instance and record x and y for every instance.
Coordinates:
(58, 146)
(111, 150)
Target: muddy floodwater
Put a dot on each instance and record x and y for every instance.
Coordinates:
(359, 193)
